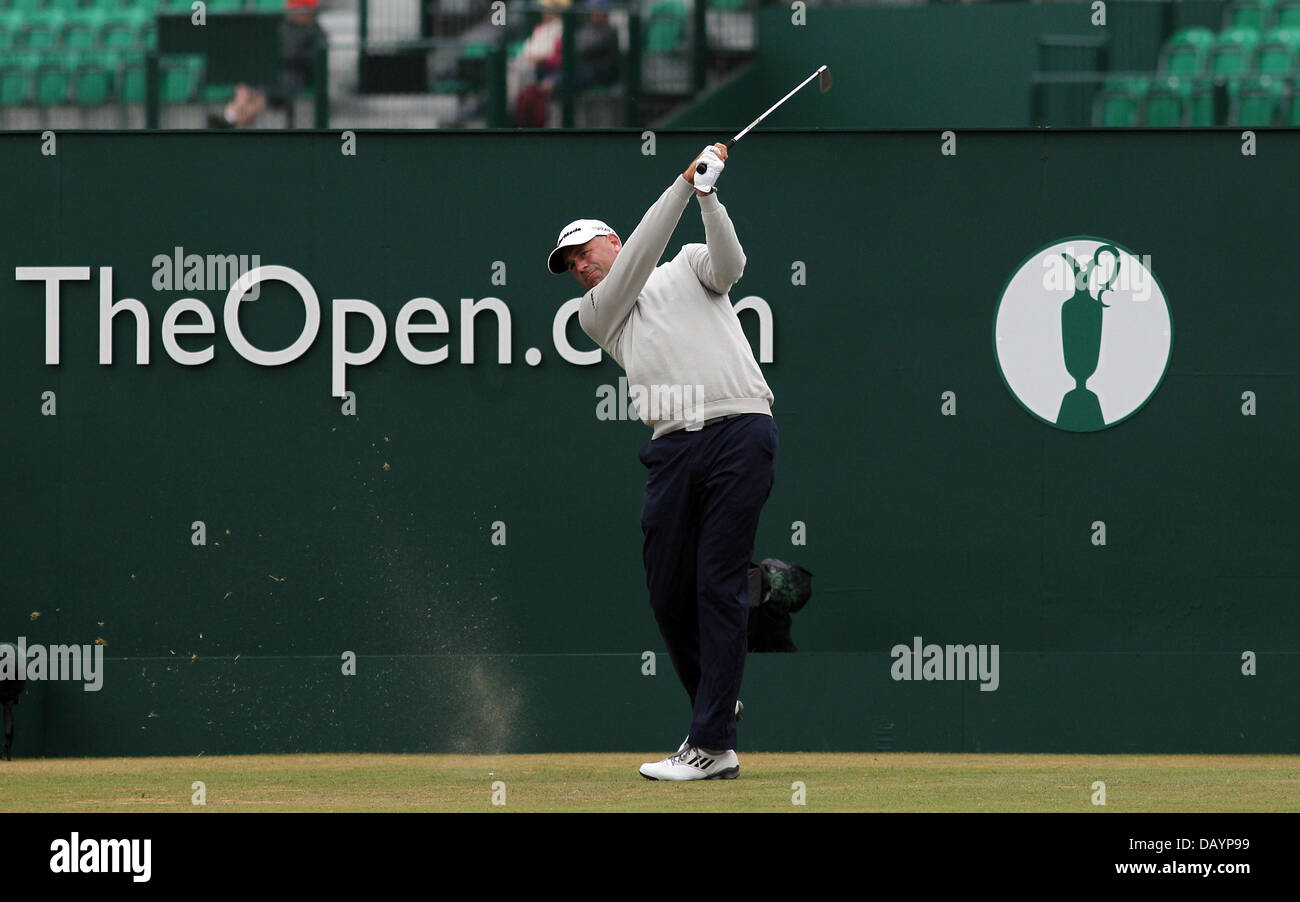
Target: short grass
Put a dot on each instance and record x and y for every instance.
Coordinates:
(832, 782)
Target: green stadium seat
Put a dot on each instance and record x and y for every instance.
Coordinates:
(1278, 52)
(11, 26)
(1201, 107)
(53, 79)
(1119, 103)
(267, 6)
(16, 80)
(1292, 117)
(728, 5)
(1186, 51)
(131, 78)
(665, 27)
(1233, 51)
(225, 6)
(116, 34)
(1287, 14)
(92, 83)
(1258, 101)
(123, 28)
(210, 93)
(81, 29)
(1254, 14)
(42, 32)
(1167, 101)
(179, 78)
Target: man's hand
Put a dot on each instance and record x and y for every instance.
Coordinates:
(713, 157)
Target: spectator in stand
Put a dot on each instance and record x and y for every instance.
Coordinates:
(597, 46)
(597, 49)
(301, 36)
(539, 56)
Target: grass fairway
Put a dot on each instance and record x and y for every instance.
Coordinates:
(834, 782)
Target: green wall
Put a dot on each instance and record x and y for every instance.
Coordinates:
(895, 67)
(373, 533)
(934, 66)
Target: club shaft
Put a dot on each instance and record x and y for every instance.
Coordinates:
(701, 168)
(777, 104)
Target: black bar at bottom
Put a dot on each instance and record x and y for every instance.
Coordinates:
(335, 851)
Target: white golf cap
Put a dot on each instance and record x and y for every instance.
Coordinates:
(578, 232)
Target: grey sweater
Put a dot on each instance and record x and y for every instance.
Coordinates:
(671, 327)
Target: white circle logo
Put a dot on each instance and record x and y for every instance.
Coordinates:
(1082, 334)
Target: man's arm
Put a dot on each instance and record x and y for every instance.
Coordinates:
(721, 263)
(606, 307)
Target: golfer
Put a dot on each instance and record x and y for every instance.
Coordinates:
(712, 455)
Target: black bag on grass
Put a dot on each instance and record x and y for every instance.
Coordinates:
(777, 589)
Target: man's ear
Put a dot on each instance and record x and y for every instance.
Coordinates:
(617, 244)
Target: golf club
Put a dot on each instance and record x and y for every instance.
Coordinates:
(824, 84)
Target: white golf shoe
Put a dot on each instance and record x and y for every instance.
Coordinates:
(692, 763)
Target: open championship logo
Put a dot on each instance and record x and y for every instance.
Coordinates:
(1082, 334)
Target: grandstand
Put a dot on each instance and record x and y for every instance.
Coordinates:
(83, 63)
(1244, 74)
(397, 63)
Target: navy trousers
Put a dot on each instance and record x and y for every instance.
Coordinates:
(703, 495)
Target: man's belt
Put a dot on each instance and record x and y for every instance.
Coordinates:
(714, 420)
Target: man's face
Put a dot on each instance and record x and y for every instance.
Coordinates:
(590, 262)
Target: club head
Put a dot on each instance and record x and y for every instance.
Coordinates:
(824, 80)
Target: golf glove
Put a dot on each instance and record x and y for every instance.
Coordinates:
(704, 182)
